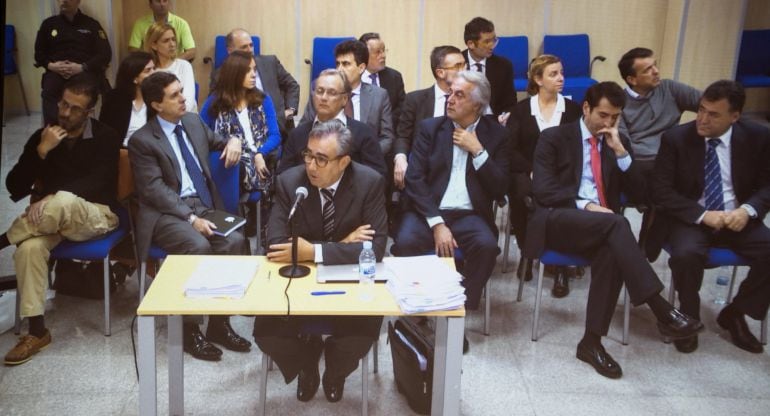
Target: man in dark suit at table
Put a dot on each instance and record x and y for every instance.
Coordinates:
(366, 103)
(579, 171)
(445, 62)
(169, 157)
(380, 75)
(712, 186)
(459, 167)
(272, 78)
(481, 40)
(345, 206)
(329, 97)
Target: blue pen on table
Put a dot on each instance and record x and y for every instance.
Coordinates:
(329, 292)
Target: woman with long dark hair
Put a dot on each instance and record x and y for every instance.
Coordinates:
(123, 107)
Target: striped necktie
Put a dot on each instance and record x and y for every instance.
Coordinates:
(328, 213)
(198, 180)
(713, 191)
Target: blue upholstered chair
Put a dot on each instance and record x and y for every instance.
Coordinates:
(574, 52)
(323, 54)
(9, 63)
(754, 59)
(555, 258)
(516, 49)
(718, 257)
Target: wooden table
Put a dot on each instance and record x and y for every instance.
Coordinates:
(265, 297)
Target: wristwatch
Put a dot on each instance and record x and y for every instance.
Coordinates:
(479, 153)
(191, 219)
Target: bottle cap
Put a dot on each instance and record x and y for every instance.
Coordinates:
(367, 245)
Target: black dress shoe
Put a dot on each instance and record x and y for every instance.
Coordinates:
(333, 388)
(309, 378)
(560, 285)
(686, 345)
(599, 359)
(224, 335)
(734, 322)
(195, 344)
(525, 269)
(678, 325)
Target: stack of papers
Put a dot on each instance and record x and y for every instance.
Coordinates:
(424, 283)
(221, 277)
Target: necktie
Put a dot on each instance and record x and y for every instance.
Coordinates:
(328, 213)
(478, 67)
(596, 170)
(713, 192)
(373, 77)
(199, 181)
(349, 113)
(446, 102)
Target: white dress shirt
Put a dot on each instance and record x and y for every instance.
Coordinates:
(137, 121)
(187, 188)
(588, 192)
(440, 101)
(319, 255)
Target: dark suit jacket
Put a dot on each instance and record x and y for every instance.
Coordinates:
(282, 88)
(430, 164)
(158, 176)
(375, 111)
(392, 81)
(499, 72)
(418, 106)
(557, 168)
(116, 111)
(359, 200)
(365, 150)
(679, 177)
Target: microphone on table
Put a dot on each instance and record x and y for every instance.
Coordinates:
(301, 194)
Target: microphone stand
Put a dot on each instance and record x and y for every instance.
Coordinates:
(293, 270)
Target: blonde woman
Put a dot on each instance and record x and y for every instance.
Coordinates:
(160, 42)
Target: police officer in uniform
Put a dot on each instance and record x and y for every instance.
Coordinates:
(69, 45)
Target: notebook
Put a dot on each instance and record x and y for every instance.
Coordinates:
(226, 223)
(348, 273)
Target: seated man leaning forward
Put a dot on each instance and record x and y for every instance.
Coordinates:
(76, 165)
(579, 171)
(344, 207)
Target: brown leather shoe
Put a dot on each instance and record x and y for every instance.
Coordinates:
(28, 346)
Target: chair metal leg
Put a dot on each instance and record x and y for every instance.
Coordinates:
(261, 409)
(538, 295)
(142, 279)
(17, 325)
(732, 284)
(507, 243)
(375, 356)
(107, 330)
(365, 385)
(626, 315)
(487, 307)
(258, 222)
(521, 283)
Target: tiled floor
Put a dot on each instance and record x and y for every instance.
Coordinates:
(85, 373)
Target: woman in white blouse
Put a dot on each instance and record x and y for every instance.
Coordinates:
(160, 41)
(123, 108)
(545, 108)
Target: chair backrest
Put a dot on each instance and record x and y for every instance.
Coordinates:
(220, 49)
(516, 49)
(226, 181)
(574, 52)
(323, 54)
(125, 176)
(9, 46)
(754, 57)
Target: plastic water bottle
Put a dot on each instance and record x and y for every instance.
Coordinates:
(722, 283)
(366, 272)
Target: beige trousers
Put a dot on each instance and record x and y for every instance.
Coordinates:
(65, 216)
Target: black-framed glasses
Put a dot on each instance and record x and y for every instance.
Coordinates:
(320, 160)
(63, 105)
(329, 93)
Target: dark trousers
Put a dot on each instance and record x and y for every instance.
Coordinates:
(474, 237)
(348, 342)
(607, 240)
(52, 86)
(176, 236)
(689, 252)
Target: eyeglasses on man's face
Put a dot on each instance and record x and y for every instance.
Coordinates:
(320, 160)
(319, 92)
